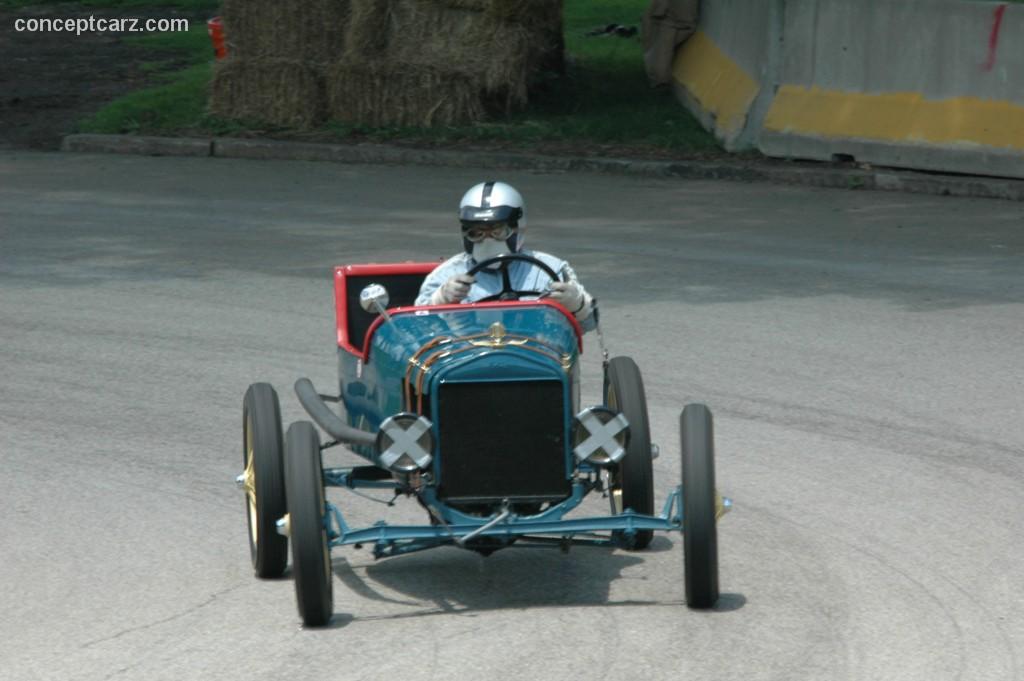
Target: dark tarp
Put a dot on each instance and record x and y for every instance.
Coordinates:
(667, 25)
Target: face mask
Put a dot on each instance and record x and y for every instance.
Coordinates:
(489, 248)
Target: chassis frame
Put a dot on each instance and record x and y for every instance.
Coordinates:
(458, 528)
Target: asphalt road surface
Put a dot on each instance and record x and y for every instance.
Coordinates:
(862, 353)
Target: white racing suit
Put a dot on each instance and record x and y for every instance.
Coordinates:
(524, 276)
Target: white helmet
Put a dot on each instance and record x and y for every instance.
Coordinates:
(492, 202)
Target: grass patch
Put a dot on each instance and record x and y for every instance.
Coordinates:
(604, 99)
(192, 45)
(164, 108)
(177, 105)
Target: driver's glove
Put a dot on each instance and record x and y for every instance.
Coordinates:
(454, 290)
(569, 295)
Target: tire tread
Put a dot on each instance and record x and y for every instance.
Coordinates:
(700, 533)
(305, 489)
(270, 553)
(636, 469)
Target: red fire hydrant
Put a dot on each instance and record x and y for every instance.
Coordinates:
(215, 27)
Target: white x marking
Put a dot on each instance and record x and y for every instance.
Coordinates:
(602, 436)
(405, 442)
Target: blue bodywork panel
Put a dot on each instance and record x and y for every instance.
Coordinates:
(373, 389)
(403, 367)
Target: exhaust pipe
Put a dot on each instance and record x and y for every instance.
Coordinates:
(327, 419)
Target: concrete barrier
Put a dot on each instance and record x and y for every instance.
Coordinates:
(925, 84)
(718, 72)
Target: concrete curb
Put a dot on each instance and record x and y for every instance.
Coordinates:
(812, 175)
(143, 146)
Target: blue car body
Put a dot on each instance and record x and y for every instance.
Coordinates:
(499, 384)
(472, 411)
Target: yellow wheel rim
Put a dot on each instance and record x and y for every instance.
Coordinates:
(614, 484)
(249, 483)
(323, 536)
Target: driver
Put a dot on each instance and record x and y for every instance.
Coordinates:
(493, 217)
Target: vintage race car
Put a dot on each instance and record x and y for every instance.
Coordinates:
(473, 412)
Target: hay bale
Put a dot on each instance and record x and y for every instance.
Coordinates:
(535, 13)
(401, 94)
(382, 62)
(277, 91)
(501, 56)
(368, 31)
(498, 55)
(261, 29)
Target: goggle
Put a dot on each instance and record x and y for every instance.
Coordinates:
(477, 233)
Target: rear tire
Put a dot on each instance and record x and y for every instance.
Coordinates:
(311, 556)
(700, 534)
(264, 479)
(631, 483)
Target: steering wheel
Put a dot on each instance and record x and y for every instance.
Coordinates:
(507, 292)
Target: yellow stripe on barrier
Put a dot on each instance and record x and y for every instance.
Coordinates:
(716, 82)
(896, 116)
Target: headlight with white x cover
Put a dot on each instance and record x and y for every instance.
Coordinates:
(600, 436)
(404, 443)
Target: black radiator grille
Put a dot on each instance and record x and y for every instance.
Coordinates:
(502, 440)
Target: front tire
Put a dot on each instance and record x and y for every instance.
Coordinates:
(263, 479)
(700, 534)
(311, 556)
(631, 483)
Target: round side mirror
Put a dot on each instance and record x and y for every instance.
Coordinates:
(374, 298)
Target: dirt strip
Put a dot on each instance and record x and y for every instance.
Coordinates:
(51, 81)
